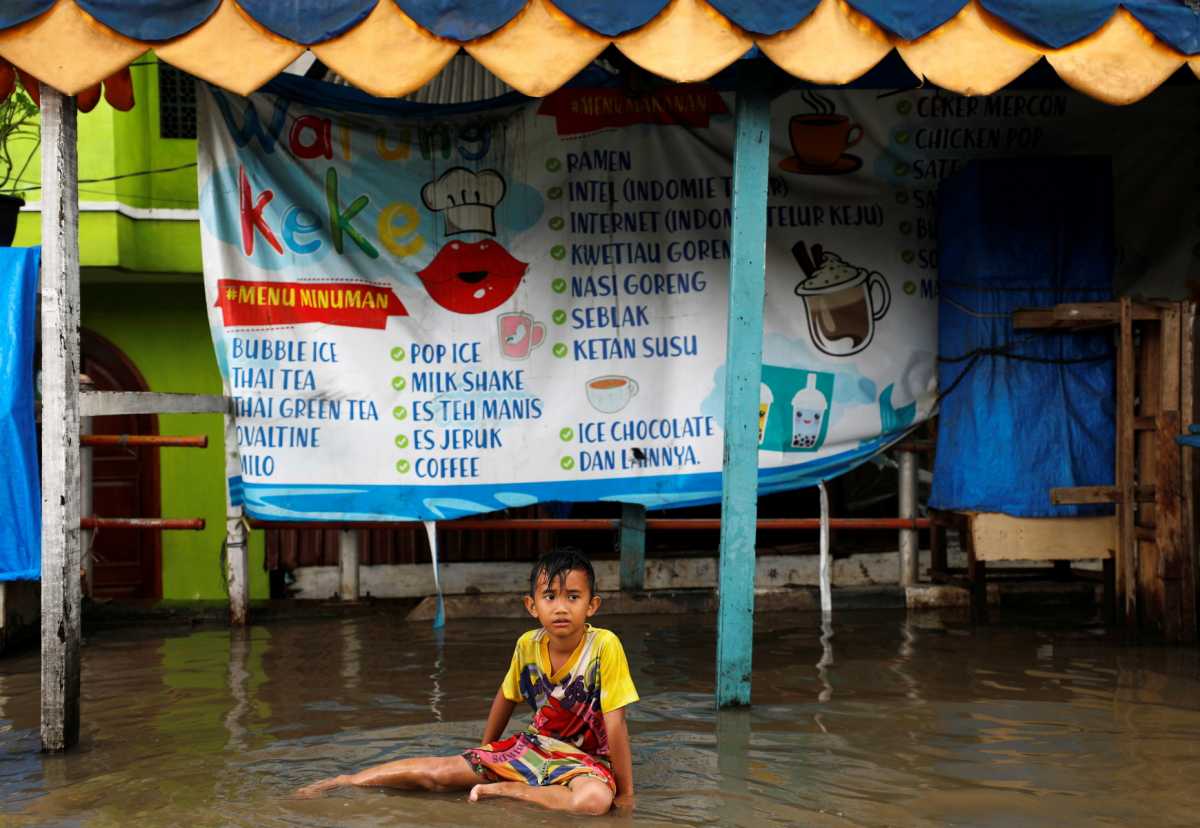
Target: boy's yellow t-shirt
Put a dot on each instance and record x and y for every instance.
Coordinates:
(570, 704)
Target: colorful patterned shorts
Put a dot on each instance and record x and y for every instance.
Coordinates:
(537, 760)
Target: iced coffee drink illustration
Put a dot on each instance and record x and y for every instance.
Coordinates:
(843, 301)
(809, 409)
(765, 398)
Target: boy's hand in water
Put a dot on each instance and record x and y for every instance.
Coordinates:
(318, 788)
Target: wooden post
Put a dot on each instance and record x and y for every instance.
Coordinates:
(61, 595)
(743, 373)
(909, 553)
(633, 547)
(1127, 564)
(348, 564)
(237, 563)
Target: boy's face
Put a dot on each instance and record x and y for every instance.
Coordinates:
(563, 607)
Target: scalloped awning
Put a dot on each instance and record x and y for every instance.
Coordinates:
(1116, 52)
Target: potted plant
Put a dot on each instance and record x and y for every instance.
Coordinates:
(20, 137)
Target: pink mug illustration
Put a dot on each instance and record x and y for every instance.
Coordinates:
(519, 335)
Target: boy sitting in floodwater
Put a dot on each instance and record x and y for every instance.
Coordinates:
(575, 754)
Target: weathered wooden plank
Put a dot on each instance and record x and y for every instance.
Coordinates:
(1150, 386)
(1168, 526)
(1079, 315)
(999, 537)
(1190, 630)
(107, 403)
(237, 565)
(1126, 573)
(633, 546)
(61, 593)
(743, 373)
(1080, 495)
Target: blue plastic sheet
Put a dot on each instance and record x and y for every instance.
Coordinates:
(20, 498)
(1023, 411)
(1054, 23)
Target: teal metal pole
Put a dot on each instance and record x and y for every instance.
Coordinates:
(633, 547)
(743, 372)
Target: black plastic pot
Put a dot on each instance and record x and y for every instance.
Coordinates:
(10, 206)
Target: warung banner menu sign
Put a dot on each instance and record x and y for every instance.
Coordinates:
(423, 317)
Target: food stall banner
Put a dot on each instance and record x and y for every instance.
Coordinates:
(428, 312)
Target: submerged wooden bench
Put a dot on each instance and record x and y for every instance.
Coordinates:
(991, 536)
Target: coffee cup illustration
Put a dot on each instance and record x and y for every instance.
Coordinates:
(819, 143)
(611, 392)
(842, 301)
(765, 398)
(809, 409)
(519, 335)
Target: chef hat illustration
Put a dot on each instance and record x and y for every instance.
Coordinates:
(466, 199)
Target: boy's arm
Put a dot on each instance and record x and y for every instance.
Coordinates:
(620, 756)
(498, 717)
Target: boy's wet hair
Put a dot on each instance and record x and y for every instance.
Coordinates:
(557, 564)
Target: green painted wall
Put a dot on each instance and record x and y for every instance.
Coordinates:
(143, 291)
(113, 144)
(163, 329)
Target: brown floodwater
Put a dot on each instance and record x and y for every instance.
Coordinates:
(888, 721)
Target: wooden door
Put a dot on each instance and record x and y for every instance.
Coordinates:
(125, 483)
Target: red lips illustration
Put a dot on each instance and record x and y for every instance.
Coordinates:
(472, 277)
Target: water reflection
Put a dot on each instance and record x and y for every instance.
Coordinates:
(931, 724)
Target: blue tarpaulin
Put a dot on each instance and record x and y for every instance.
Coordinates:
(20, 499)
(1023, 411)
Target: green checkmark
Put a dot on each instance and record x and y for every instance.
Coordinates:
(901, 169)
(910, 288)
(401, 441)
(400, 412)
(567, 463)
(558, 252)
(559, 317)
(902, 136)
(906, 227)
(558, 285)
(398, 354)
(560, 350)
(565, 434)
(908, 256)
(553, 164)
(554, 193)
(398, 383)
(556, 223)
(904, 107)
(403, 466)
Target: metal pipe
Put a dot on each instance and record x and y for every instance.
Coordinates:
(159, 440)
(909, 553)
(607, 525)
(163, 524)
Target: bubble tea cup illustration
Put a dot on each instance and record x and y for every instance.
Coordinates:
(809, 408)
(843, 302)
(765, 398)
(519, 335)
(610, 393)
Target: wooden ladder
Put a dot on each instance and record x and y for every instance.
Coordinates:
(1154, 492)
